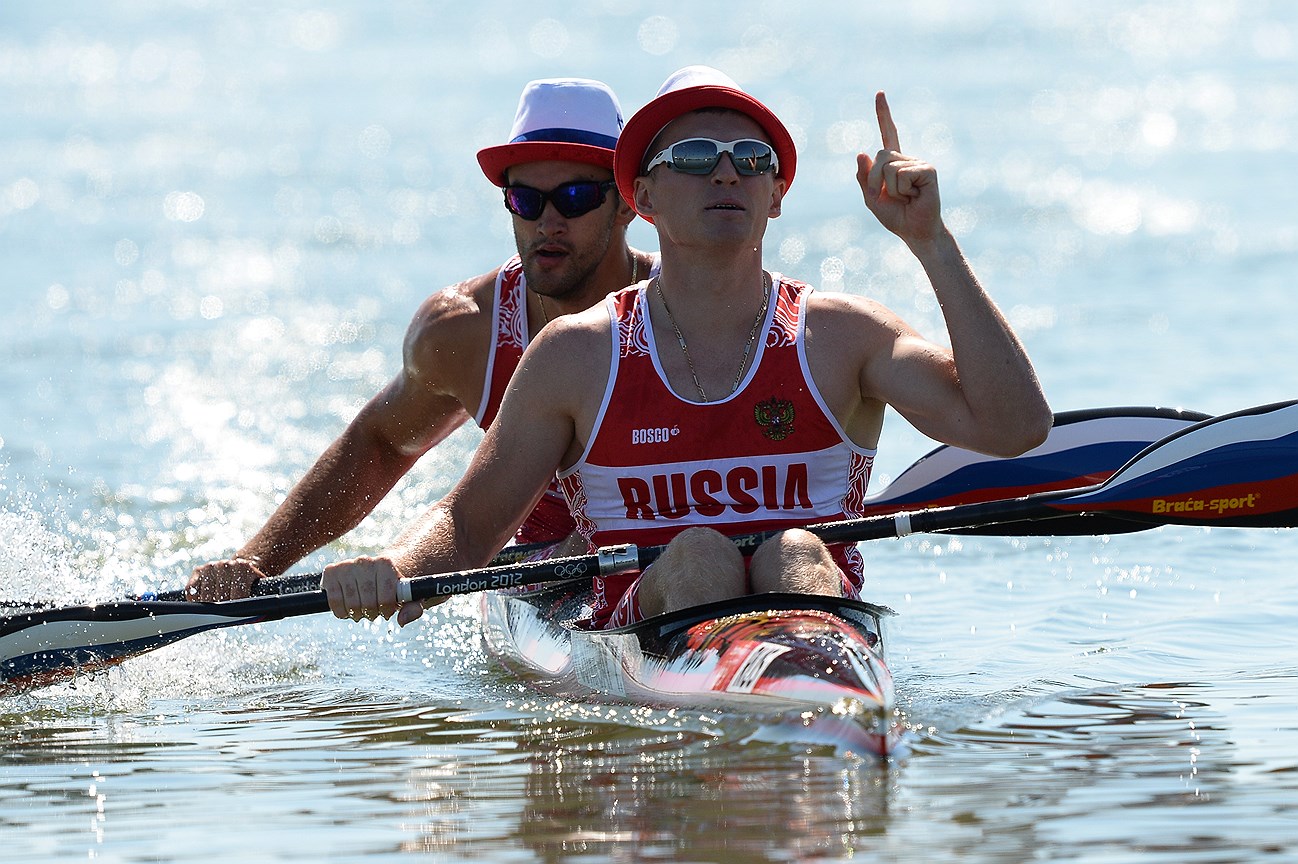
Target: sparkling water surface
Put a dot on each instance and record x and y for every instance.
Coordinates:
(216, 220)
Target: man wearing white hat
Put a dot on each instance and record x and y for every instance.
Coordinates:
(717, 398)
(465, 341)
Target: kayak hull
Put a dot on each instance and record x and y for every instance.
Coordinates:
(806, 669)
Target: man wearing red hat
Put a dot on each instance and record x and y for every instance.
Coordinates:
(465, 341)
(718, 398)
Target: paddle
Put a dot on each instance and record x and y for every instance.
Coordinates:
(295, 583)
(1238, 470)
(44, 646)
(1084, 446)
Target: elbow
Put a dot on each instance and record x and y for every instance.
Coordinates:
(1038, 430)
(1026, 431)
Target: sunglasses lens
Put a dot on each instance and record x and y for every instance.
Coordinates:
(694, 156)
(751, 157)
(701, 155)
(524, 201)
(577, 199)
(570, 199)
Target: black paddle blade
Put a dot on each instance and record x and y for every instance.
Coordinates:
(46, 646)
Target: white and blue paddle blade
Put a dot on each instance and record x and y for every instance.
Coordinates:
(1236, 470)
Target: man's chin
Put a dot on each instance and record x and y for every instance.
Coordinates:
(551, 279)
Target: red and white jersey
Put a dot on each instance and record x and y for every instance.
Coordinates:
(550, 519)
(770, 455)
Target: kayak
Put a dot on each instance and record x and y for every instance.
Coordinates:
(804, 669)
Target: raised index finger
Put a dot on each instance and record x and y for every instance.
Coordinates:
(887, 128)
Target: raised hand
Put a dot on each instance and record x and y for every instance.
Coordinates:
(899, 190)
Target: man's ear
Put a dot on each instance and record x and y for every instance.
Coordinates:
(777, 197)
(625, 212)
(644, 196)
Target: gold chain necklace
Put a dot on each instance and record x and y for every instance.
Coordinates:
(748, 349)
(635, 277)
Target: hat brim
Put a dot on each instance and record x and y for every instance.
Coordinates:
(495, 161)
(645, 124)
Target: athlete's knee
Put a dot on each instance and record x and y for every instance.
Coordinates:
(707, 546)
(698, 566)
(797, 561)
(793, 547)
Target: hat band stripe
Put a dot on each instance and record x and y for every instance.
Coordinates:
(567, 136)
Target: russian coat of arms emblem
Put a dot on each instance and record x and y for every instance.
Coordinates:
(775, 416)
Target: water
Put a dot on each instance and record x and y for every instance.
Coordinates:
(216, 221)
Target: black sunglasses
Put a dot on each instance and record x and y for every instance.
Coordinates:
(571, 199)
(701, 155)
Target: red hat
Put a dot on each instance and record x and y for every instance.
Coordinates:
(560, 119)
(686, 90)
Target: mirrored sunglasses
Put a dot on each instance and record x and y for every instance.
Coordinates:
(571, 199)
(701, 155)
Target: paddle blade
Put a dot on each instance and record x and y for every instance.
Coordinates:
(1236, 470)
(46, 646)
(1083, 449)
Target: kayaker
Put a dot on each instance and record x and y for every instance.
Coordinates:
(570, 230)
(718, 398)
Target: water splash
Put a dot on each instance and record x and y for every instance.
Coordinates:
(36, 561)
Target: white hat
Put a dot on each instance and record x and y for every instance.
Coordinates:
(560, 119)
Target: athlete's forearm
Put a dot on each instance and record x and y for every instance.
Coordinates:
(344, 485)
(994, 371)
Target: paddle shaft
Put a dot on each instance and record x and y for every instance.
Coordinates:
(622, 559)
(298, 583)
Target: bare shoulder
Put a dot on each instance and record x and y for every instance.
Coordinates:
(451, 330)
(836, 316)
(456, 313)
(443, 369)
(575, 342)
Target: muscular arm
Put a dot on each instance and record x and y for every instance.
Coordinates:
(442, 369)
(983, 393)
(350, 478)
